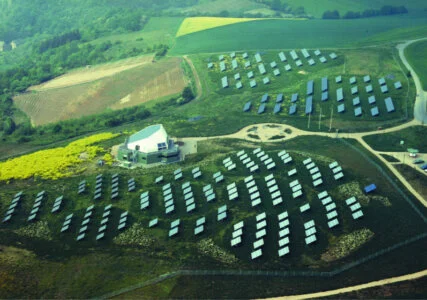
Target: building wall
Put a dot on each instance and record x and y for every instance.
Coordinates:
(166, 156)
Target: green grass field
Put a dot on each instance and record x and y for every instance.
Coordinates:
(214, 7)
(417, 180)
(412, 137)
(417, 57)
(285, 34)
(49, 263)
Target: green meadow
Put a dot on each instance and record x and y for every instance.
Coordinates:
(417, 57)
(286, 34)
(412, 138)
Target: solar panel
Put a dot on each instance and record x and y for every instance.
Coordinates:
(258, 57)
(309, 105)
(311, 239)
(261, 69)
(338, 176)
(381, 81)
(282, 56)
(266, 80)
(221, 57)
(309, 224)
(333, 55)
(245, 55)
(397, 85)
(199, 229)
(369, 88)
(357, 111)
(324, 84)
(340, 95)
(357, 214)
(258, 243)
(234, 64)
(298, 63)
(252, 83)
(222, 66)
(311, 62)
(276, 72)
(371, 99)
(304, 208)
(294, 55)
(338, 79)
(247, 64)
(277, 108)
(294, 97)
(236, 241)
(317, 182)
(292, 172)
(310, 87)
(283, 242)
(374, 111)
(256, 254)
(239, 85)
(224, 82)
(210, 65)
(273, 64)
(352, 80)
(384, 89)
(333, 223)
(325, 96)
(288, 67)
(366, 78)
(317, 52)
(356, 101)
(332, 214)
(322, 59)
(279, 98)
(305, 53)
(261, 108)
(292, 109)
(354, 90)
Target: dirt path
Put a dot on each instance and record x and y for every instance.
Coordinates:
(358, 287)
(196, 77)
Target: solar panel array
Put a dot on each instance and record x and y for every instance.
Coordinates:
(36, 206)
(98, 187)
(13, 207)
(84, 226)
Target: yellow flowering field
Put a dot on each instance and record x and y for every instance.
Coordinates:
(191, 25)
(53, 163)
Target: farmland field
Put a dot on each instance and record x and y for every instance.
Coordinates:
(117, 258)
(124, 89)
(90, 74)
(196, 24)
(417, 57)
(299, 34)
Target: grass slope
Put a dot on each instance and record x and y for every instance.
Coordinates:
(417, 56)
(413, 138)
(277, 34)
(214, 7)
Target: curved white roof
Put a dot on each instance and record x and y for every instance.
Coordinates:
(150, 139)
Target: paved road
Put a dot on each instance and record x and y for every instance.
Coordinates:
(420, 107)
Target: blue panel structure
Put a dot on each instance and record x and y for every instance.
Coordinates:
(389, 104)
(264, 98)
(370, 188)
(261, 108)
(374, 111)
(279, 98)
(371, 99)
(324, 84)
(325, 96)
(397, 85)
(310, 87)
(340, 95)
(294, 97)
(293, 109)
(309, 105)
(247, 106)
(356, 101)
(357, 111)
(341, 108)
(277, 108)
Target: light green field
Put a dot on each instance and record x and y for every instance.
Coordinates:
(318, 7)
(291, 34)
(417, 57)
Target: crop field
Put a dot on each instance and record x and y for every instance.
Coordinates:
(90, 74)
(377, 63)
(124, 89)
(391, 141)
(299, 34)
(387, 220)
(417, 57)
(196, 24)
(317, 8)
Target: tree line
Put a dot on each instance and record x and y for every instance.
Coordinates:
(386, 10)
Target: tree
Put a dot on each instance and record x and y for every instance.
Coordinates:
(329, 14)
(187, 94)
(276, 5)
